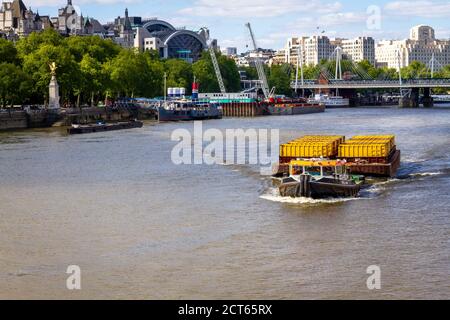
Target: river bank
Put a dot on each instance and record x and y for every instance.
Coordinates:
(28, 118)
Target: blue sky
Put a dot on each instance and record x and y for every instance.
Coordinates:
(274, 20)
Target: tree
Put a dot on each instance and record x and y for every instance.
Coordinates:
(250, 72)
(15, 85)
(415, 69)
(204, 72)
(8, 52)
(279, 79)
(135, 74)
(94, 46)
(93, 79)
(179, 73)
(32, 43)
(230, 73)
(37, 63)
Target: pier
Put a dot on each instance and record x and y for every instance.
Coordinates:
(243, 109)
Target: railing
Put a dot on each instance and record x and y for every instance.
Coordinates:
(373, 83)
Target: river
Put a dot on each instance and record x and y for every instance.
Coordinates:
(140, 227)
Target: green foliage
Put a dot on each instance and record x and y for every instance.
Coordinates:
(136, 74)
(97, 48)
(179, 73)
(15, 85)
(37, 63)
(34, 41)
(91, 68)
(280, 79)
(8, 53)
(230, 73)
(416, 69)
(206, 76)
(251, 73)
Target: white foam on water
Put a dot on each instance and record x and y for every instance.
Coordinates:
(274, 196)
(425, 174)
(380, 186)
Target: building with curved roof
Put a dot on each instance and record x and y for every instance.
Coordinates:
(170, 42)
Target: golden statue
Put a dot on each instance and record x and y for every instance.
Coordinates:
(53, 68)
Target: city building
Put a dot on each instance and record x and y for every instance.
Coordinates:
(358, 49)
(316, 48)
(129, 32)
(126, 33)
(170, 42)
(70, 22)
(421, 46)
(18, 21)
(312, 49)
(248, 58)
(230, 51)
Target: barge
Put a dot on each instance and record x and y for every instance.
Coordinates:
(294, 107)
(102, 127)
(366, 155)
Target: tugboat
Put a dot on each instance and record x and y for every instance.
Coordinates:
(317, 181)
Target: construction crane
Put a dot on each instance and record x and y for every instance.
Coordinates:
(214, 61)
(259, 67)
(217, 69)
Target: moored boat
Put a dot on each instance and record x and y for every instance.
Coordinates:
(185, 110)
(102, 127)
(331, 101)
(286, 107)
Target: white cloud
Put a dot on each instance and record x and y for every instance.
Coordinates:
(421, 8)
(256, 8)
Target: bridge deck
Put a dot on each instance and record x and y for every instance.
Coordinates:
(378, 84)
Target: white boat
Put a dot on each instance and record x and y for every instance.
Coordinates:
(331, 101)
(441, 98)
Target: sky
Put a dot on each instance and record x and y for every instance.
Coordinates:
(273, 21)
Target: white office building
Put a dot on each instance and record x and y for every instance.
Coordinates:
(358, 49)
(421, 46)
(316, 48)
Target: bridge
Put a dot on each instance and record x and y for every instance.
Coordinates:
(371, 84)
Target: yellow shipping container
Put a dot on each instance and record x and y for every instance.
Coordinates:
(375, 139)
(312, 147)
(373, 150)
(307, 150)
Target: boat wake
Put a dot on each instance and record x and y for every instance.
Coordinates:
(273, 195)
(425, 174)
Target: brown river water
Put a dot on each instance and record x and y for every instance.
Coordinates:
(141, 227)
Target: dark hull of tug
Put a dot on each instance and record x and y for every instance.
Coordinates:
(331, 188)
(321, 189)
